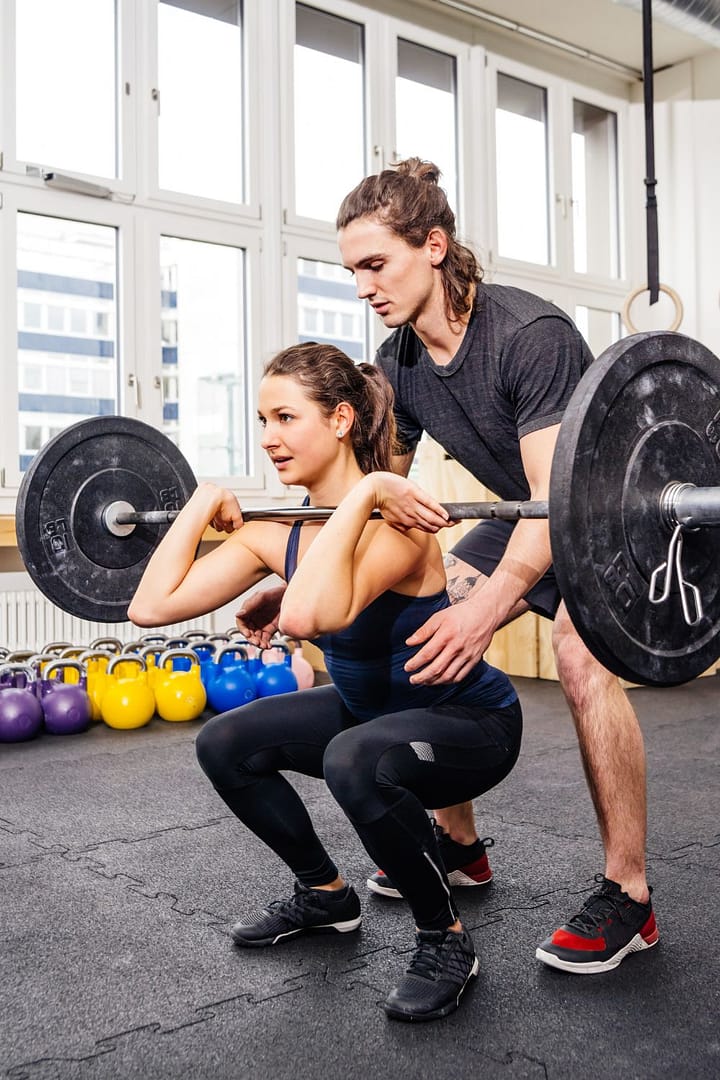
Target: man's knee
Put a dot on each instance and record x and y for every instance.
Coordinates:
(578, 670)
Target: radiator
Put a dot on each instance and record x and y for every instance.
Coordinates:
(30, 621)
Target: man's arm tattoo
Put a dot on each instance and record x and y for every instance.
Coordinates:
(458, 586)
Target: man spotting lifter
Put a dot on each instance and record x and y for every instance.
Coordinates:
(487, 371)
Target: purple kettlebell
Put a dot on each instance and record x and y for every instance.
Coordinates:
(21, 715)
(66, 706)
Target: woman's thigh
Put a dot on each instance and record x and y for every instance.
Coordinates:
(444, 755)
(287, 731)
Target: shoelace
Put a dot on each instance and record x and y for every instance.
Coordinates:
(294, 907)
(442, 955)
(598, 907)
(427, 959)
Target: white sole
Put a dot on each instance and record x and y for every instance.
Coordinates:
(638, 944)
(456, 879)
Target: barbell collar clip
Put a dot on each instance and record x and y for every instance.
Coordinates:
(689, 506)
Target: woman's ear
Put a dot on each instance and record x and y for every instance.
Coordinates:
(344, 417)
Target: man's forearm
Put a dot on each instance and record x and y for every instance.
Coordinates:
(526, 559)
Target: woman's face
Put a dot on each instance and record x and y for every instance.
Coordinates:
(299, 440)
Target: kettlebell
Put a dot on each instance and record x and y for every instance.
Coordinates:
(107, 644)
(205, 652)
(229, 682)
(276, 678)
(96, 662)
(302, 668)
(127, 702)
(21, 715)
(179, 694)
(66, 705)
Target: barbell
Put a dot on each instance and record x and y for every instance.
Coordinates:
(634, 497)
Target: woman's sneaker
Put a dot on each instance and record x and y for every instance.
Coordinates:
(465, 864)
(319, 911)
(608, 927)
(442, 965)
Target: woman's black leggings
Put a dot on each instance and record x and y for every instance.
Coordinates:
(382, 772)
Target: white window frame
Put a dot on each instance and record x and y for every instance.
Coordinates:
(148, 359)
(74, 208)
(560, 95)
(255, 117)
(29, 172)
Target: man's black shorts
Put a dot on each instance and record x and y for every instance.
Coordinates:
(484, 546)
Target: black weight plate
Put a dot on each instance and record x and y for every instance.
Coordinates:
(645, 414)
(70, 555)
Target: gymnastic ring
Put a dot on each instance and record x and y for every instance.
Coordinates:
(643, 288)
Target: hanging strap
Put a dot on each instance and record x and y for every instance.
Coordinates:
(651, 218)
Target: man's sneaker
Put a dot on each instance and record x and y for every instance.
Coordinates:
(465, 864)
(442, 965)
(608, 927)
(317, 911)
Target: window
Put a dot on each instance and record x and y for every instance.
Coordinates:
(328, 308)
(200, 99)
(205, 378)
(329, 111)
(426, 110)
(227, 133)
(599, 328)
(32, 437)
(522, 170)
(62, 262)
(66, 85)
(596, 241)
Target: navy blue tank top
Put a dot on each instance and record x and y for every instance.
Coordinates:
(366, 660)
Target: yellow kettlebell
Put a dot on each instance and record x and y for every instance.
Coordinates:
(179, 692)
(96, 662)
(127, 700)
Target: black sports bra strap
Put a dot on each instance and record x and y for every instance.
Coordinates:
(291, 551)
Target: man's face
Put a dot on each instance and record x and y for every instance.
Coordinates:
(398, 281)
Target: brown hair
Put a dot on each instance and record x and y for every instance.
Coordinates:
(408, 200)
(329, 377)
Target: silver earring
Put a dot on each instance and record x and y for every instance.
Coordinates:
(340, 433)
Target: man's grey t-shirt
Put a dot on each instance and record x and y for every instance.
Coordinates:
(518, 363)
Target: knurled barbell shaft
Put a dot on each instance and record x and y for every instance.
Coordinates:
(680, 504)
(507, 511)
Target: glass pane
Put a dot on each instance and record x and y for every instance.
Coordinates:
(599, 328)
(204, 373)
(425, 120)
(329, 111)
(522, 171)
(65, 374)
(66, 85)
(200, 124)
(328, 308)
(595, 184)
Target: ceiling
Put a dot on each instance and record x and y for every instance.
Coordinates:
(608, 28)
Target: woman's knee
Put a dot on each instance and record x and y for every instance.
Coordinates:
(348, 769)
(220, 745)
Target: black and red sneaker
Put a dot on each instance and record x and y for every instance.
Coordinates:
(465, 865)
(608, 927)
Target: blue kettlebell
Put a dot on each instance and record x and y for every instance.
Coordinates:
(229, 683)
(205, 652)
(277, 678)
